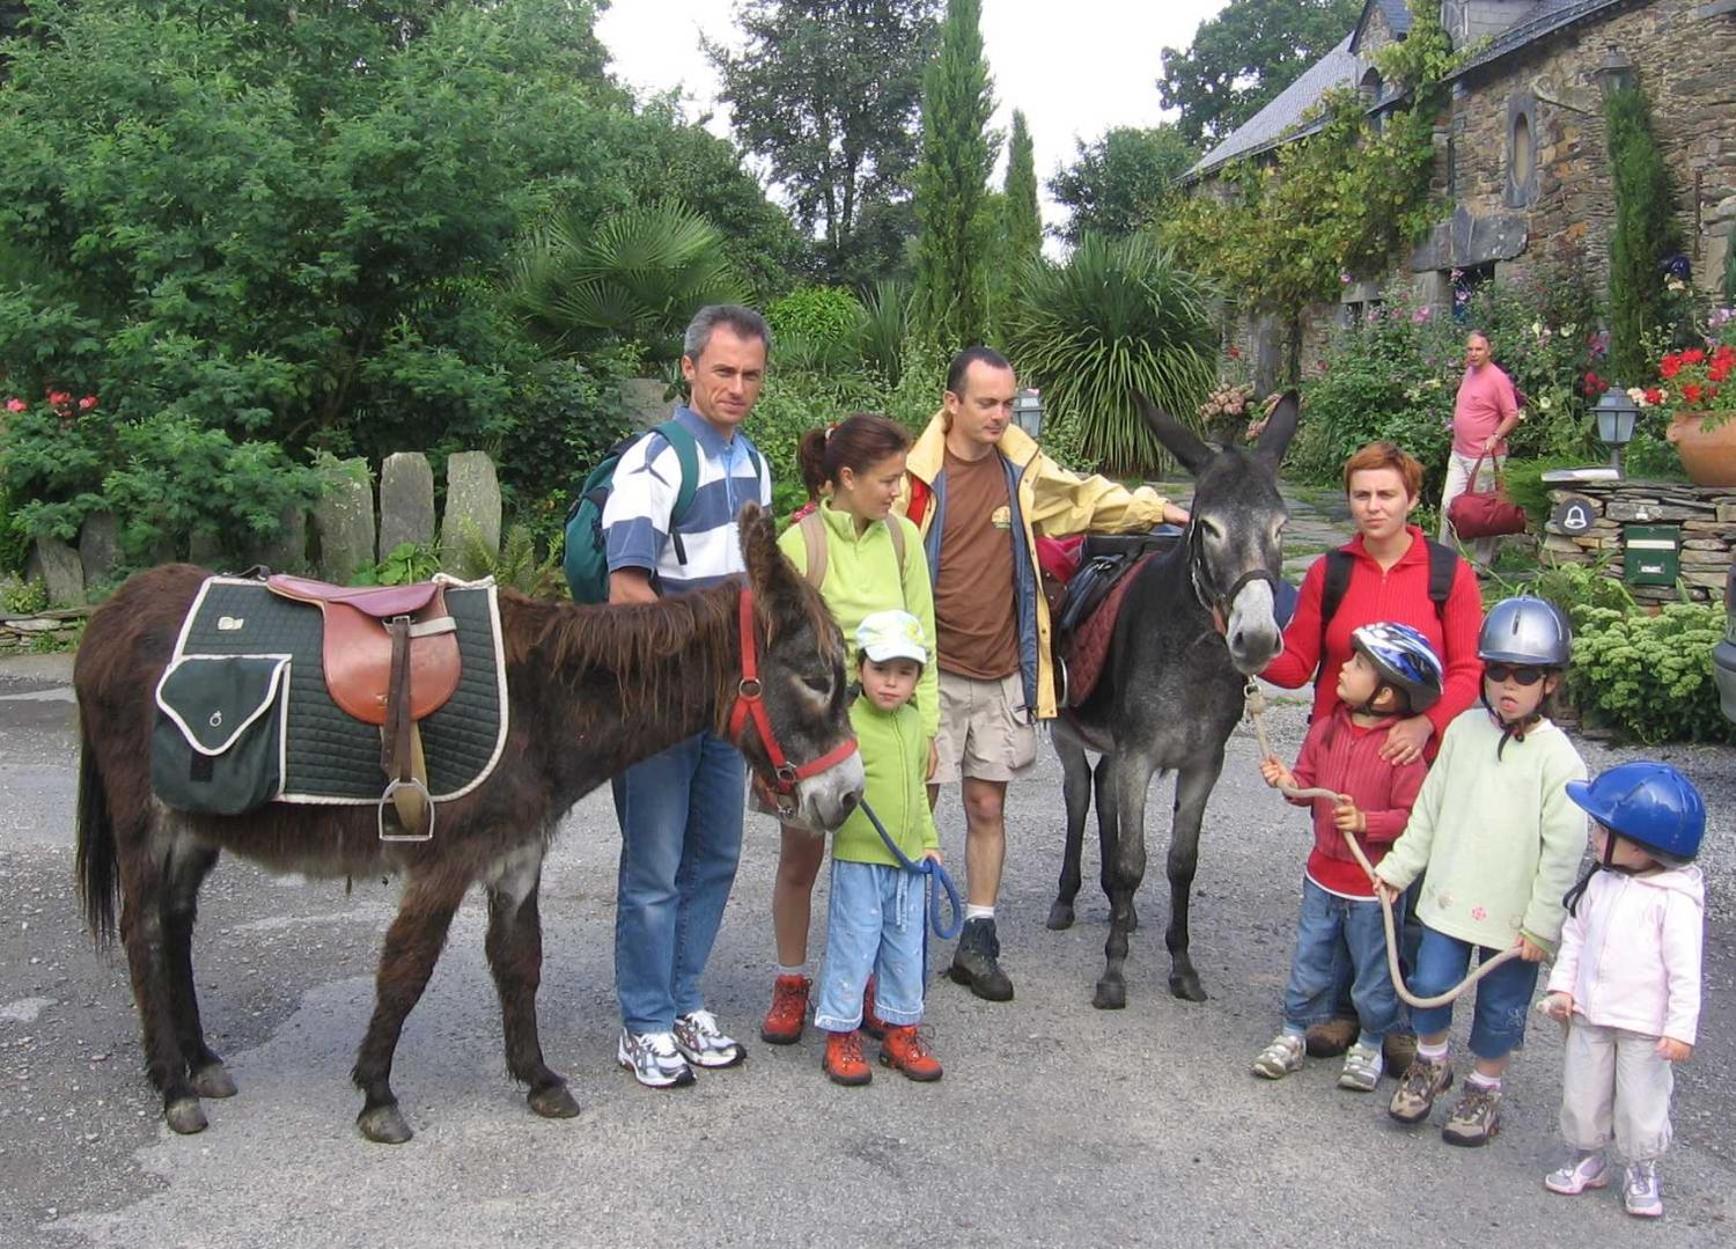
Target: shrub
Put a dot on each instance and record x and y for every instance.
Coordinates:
(1119, 315)
(1651, 676)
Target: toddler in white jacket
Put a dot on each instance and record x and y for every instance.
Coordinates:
(1627, 977)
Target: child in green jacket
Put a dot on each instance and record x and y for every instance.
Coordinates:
(878, 909)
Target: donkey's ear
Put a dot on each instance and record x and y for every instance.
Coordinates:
(759, 545)
(1177, 439)
(1280, 428)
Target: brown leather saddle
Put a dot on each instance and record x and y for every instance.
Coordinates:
(391, 657)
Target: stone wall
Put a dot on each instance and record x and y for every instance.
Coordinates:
(1706, 515)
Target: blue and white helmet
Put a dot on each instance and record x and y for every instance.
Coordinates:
(1404, 659)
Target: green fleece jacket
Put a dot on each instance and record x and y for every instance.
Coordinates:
(1500, 838)
(863, 577)
(895, 756)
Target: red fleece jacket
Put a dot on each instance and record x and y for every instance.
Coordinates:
(1344, 758)
(1400, 594)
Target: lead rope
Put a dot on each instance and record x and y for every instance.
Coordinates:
(1256, 706)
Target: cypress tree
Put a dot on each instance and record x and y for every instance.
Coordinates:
(1643, 236)
(953, 237)
(1024, 222)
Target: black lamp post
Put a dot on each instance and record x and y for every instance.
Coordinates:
(1616, 413)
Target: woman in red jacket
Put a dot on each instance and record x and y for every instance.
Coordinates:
(1389, 561)
(1389, 580)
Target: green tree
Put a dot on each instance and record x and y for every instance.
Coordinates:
(952, 183)
(1242, 58)
(1023, 217)
(1643, 236)
(1118, 184)
(827, 92)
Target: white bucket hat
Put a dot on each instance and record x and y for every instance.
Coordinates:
(888, 635)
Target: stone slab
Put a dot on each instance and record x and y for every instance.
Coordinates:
(57, 565)
(406, 502)
(99, 547)
(472, 507)
(343, 521)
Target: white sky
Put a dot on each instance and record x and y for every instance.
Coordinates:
(1075, 68)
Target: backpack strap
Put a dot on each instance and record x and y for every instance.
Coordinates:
(1443, 570)
(1338, 564)
(687, 460)
(813, 527)
(895, 531)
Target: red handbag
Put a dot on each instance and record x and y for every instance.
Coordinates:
(1485, 513)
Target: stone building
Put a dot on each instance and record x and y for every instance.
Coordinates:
(1521, 163)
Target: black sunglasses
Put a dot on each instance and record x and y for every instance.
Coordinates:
(1514, 673)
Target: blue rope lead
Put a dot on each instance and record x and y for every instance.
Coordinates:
(939, 883)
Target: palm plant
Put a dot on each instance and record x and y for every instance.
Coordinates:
(636, 278)
(885, 328)
(1118, 316)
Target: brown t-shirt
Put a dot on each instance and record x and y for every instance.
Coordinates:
(976, 619)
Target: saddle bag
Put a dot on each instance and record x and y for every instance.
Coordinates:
(218, 744)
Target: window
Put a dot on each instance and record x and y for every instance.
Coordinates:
(1521, 151)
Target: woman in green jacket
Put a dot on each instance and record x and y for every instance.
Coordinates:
(853, 470)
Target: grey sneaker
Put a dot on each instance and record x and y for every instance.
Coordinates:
(1362, 1069)
(653, 1059)
(1587, 1170)
(702, 1042)
(1639, 1190)
(1424, 1080)
(1476, 1119)
(1280, 1058)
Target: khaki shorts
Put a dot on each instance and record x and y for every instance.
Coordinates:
(984, 732)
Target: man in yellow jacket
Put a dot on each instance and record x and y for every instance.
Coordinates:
(979, 490)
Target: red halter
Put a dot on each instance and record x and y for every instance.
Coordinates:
(750, 705)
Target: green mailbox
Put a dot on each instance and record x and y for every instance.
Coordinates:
(1651, 554)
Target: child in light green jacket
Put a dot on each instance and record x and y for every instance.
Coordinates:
(1501, 842)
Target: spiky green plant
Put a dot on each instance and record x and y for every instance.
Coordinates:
(885, 328)
(1117, 316)
(637, 278)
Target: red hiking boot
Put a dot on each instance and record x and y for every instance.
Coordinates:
(789, 1010)
(843, 1062)
(872, 1024)
(905, 1050)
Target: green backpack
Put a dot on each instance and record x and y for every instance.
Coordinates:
(586, 561)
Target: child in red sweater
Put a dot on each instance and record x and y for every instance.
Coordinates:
(1392, 673)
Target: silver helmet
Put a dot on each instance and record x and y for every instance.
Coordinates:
(1529, 631)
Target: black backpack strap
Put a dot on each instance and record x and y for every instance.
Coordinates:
(1337, 581)
(1443, 570)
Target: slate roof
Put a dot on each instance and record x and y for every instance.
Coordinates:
(1396, 12)
(1542, 19)
(1286, 111)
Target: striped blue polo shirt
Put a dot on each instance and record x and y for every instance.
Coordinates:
(636, 520)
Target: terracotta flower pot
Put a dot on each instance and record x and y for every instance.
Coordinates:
(1708, 454)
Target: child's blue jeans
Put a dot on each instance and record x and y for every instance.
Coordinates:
(1503, 996)
(874, 924)
(1340, 939)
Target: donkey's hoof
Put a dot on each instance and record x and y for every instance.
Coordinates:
(1186, 986)
(214, 1081)
(1061, 916)
(184, 1115)
(553, 1102)
(1111, 994)
(384, 1125)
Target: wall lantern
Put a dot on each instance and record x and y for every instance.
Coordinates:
(1615, 72)
(1028, 411)
(1615, 422)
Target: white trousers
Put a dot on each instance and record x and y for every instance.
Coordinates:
(1615, 1087)
(1480, 551)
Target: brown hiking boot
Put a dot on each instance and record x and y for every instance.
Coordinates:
(905, 1050)
(872, 1024)
(789, 1010)
(1332, 1038)
(1476, 1119)
(843, 1062)
(1424, 1080)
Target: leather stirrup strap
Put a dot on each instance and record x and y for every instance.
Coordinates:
(400, 743)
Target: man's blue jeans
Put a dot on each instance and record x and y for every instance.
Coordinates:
(680, 814)
(1339, 939)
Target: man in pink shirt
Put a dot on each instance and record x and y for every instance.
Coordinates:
(1484, 413)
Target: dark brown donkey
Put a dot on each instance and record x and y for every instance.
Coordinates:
(590, 690)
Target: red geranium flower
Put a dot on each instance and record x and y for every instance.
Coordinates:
(1693, 355)
(59, 398)
(1692, 392)
(1654, 396)
(1669, 366)
(15, 404)
(87, 403)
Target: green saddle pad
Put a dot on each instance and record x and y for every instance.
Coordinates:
(328, 755)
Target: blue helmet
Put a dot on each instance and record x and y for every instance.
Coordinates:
(1651, 804)
(1404, 658)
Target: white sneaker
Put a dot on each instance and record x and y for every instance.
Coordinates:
(702, 1042)
(653, 1059)
(1587, 1170)
(1639, 1190)
(1280, 1058)
(1362, 1068)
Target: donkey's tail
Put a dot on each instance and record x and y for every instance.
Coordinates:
(95, 864)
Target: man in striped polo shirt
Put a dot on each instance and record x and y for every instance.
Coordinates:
(681, 810)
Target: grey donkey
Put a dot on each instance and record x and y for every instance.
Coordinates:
(1196, 623)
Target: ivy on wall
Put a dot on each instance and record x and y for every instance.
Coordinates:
(1340, 201)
